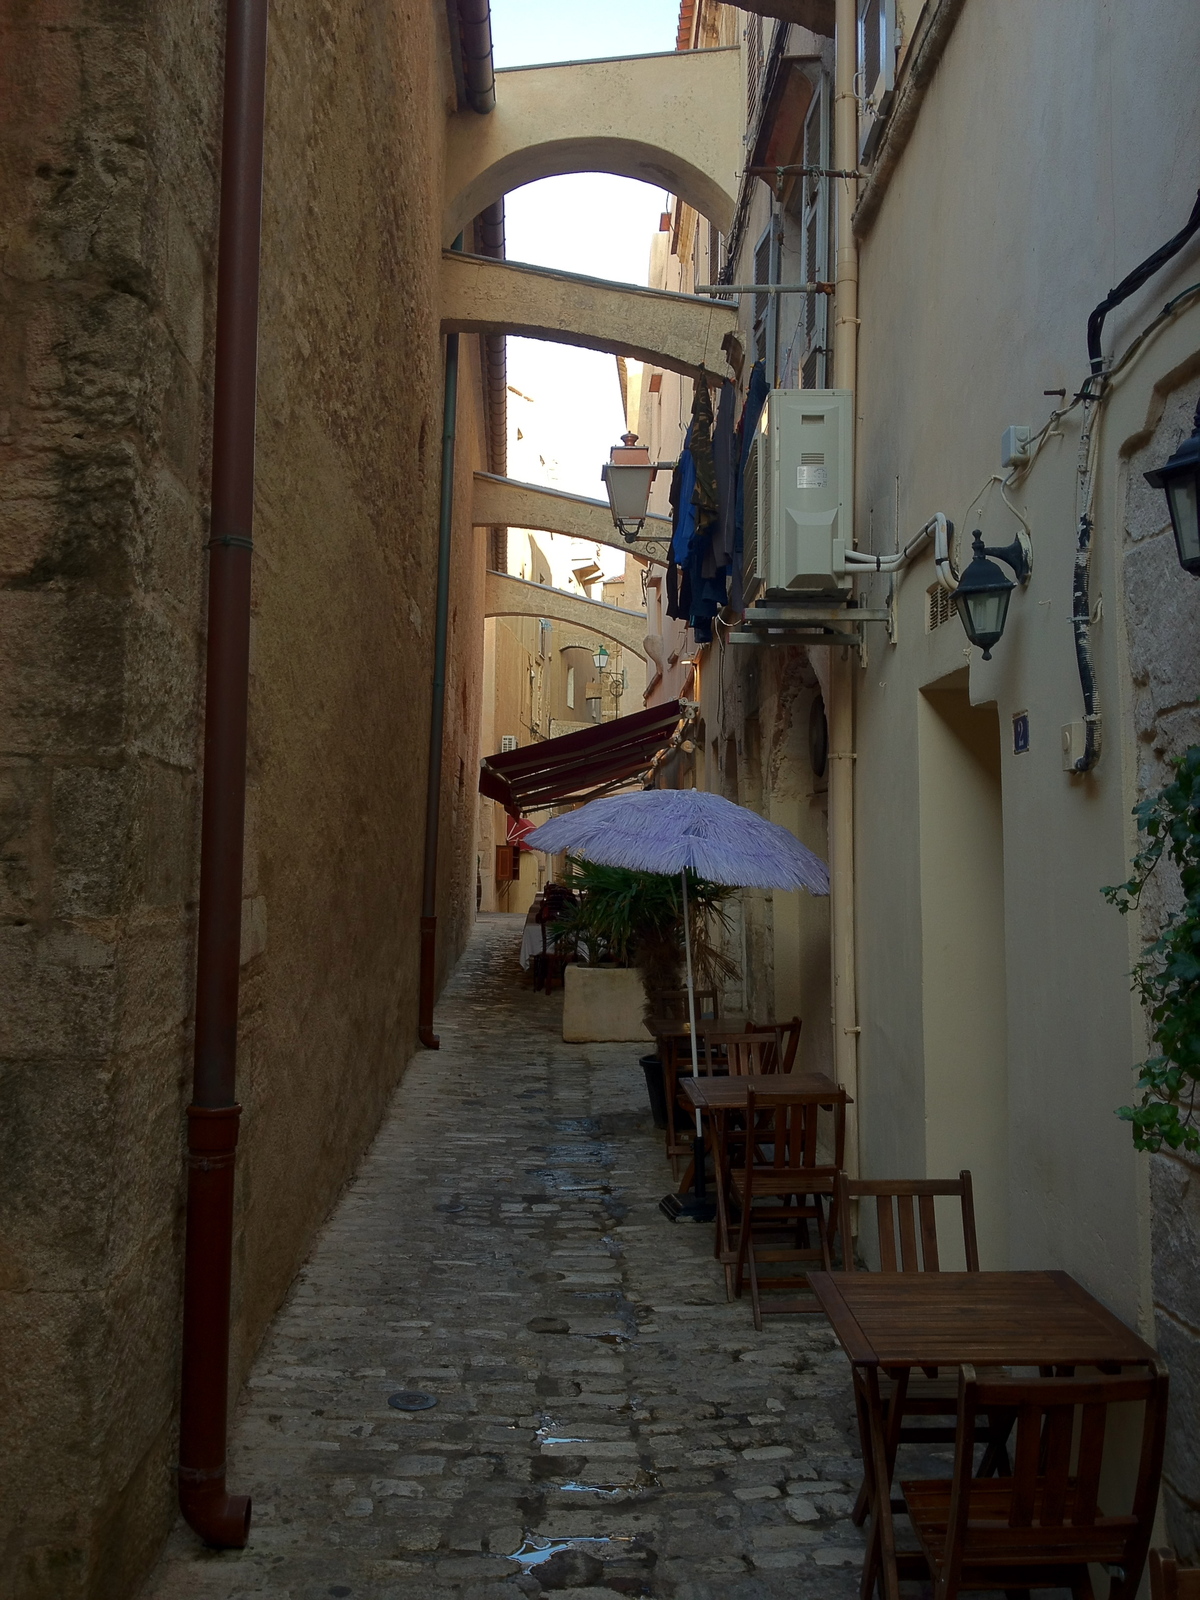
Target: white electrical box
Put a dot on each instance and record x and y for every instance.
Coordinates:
(1074, 744)
(798, 495)
(1014, 444)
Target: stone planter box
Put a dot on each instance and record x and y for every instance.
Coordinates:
(603, 1004)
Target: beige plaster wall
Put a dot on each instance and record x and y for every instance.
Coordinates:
(109, 238)
(1040, 170)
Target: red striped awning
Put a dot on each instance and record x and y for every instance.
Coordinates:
(575, 764)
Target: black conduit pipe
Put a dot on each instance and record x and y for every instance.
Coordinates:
(221, 1518)
(427, 993)
(1133, 282)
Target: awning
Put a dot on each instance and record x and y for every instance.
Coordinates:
(576, 764)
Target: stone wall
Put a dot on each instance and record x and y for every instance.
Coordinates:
(1162, 606)
(111, 117)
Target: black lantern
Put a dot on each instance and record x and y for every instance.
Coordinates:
(983, 591)
(1180, 477)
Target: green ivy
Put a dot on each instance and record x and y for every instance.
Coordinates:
(1167, 978)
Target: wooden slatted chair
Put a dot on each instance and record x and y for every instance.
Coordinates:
(1040, 1526)
(904, 1209)
(674, 1003)
(1170, 1581)
(906, 1220)
(675, 1051)
(752, 1053)
(782, 1189)
(549, 964)
(787, 1038)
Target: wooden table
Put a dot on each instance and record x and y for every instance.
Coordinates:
(716, 1096)
(899, 1321)
(729, 1093)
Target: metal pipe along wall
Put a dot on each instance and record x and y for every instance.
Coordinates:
(841, 700)
(217, 1516)
(437, 714)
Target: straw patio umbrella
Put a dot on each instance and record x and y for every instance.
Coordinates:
(677, 831)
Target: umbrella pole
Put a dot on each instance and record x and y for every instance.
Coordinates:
(698, 1150)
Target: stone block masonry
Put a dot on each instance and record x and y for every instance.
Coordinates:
(109, 131)
(606, 1423)
(1162, 611)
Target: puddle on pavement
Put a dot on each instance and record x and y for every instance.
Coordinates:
(637, 1485)
(535, 1551)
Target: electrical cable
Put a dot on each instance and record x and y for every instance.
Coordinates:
(1134, 281)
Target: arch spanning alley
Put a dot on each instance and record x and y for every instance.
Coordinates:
(517, 597)
(669, 119)
(680, 331)
(507, 503)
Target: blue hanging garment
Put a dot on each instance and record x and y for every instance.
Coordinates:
(756, 399)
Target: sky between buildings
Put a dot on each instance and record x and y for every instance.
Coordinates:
(592, 223)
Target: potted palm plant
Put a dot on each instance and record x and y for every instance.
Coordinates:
(634, 921)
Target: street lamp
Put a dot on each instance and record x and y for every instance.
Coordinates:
(600, 658)
(983, 591)
(1180, 477)
(627, 476)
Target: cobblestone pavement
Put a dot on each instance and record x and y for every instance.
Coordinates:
(606, 1424)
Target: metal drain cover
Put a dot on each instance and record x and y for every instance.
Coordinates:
(411, 1400)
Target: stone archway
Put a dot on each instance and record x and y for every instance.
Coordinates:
(667, 119)
(684, 332)
(517, 597)
(508, 503)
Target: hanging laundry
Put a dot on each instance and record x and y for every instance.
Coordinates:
(726, 469)
(756, 397)
(696, 586)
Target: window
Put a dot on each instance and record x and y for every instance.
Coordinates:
(571, 688)
(766, 270)
(508, 741)
(877, 45)
(754, 66)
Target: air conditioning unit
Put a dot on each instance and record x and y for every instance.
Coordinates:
(798, 495)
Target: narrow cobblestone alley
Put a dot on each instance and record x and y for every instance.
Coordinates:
(606, 1424)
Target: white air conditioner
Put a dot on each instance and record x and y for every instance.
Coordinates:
(798, 495)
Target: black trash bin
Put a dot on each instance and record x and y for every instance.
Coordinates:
(655, 1087)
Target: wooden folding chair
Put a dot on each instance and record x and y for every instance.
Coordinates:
(1170, 1581)
(549, 964)
(781, 1190)
(908, 1242)
(1040, 1526)
(675, 1004)
(787, 1039)
(751, 1054)
(676, 1052)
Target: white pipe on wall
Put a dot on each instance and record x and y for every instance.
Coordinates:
(841, 698)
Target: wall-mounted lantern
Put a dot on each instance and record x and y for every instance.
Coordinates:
(1180, 477)
(984, 591)
(627, 476)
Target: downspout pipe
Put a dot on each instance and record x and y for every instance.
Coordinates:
(841, 685)
(221, 1518)
(437, 715)
(479, 73)
(479, 82)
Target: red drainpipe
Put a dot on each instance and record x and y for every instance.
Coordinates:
(219, 1517)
